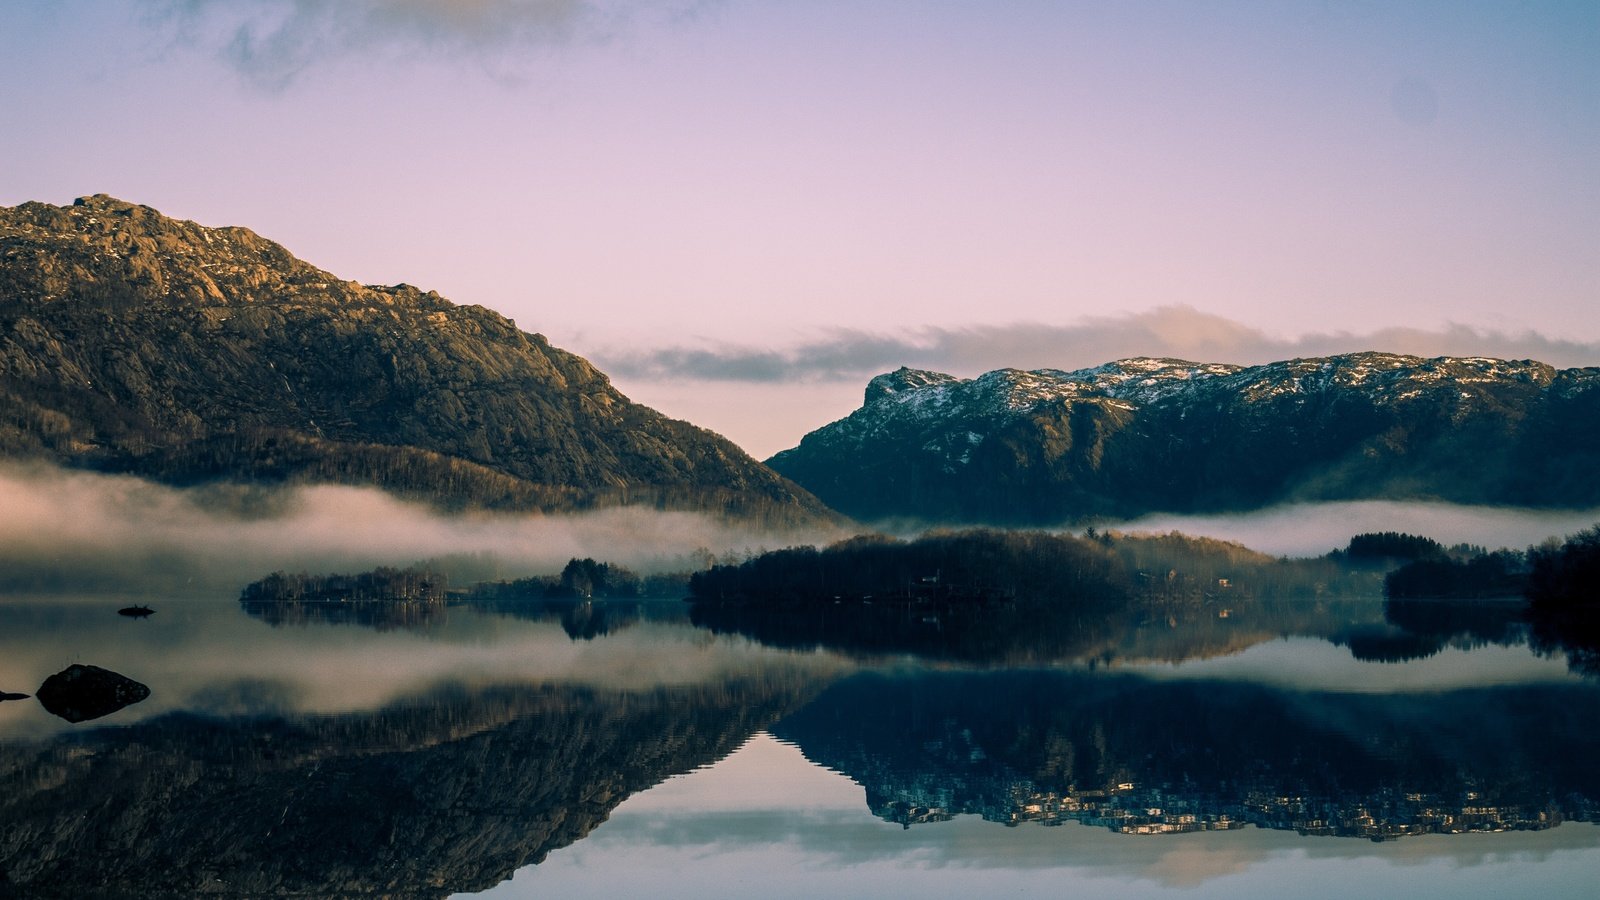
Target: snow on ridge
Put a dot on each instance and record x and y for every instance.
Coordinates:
(1143, 381)
(1128, 383)
(951, 417)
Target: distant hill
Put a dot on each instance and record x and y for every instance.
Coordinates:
(132, 342)
(1145, 435)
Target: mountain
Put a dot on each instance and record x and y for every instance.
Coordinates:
(132, 342)
(1145, 435)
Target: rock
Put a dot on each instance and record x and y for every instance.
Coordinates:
(79, 693)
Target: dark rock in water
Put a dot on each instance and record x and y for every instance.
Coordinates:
(135, 612)
(7, 695)
(80, 693)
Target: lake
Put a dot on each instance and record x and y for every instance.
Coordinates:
(610, 748)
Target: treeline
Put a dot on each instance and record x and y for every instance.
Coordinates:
(1552, 575)
(985, 566)
(981, 596)
(1566, 577)
(587, 579)
(1564, 599)
(381, 585)
(1422, 568)
(1557, 582)
(1386, 546)
(1502, 573)
(1556, 576)
(383, 598)
(1179, 566)
(970, 567)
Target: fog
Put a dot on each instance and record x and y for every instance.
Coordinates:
(1306, 664)
(208, 657)
(1313, 529)
(71, 530)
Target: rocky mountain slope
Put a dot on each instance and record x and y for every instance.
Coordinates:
(1142, 435)
(132, 342)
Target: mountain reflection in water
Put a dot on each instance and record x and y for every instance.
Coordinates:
(446, 793)
(1150, 757)
(331, 760)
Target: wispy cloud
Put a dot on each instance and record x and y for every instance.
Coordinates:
(271, 42)
(1173, 331)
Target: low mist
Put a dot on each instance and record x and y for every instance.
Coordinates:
(204, 657)
(1313, 529)
(65, 530)
(70, 530)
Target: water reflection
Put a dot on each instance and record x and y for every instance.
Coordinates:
(1062, 632)
(580, 618)
(338, 759)
(766, 809)
(452, 791)
(1424, 627)
(202, 655)
(588, 619)
(379, 614)
(1143, 756)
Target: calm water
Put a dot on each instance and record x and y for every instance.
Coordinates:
(608, 749)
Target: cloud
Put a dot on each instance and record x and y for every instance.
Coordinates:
(271, 42)
(1175, 331)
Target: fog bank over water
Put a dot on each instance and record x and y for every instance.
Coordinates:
(75, 530)
(67, 529)
(1313, 529)
(207, 657)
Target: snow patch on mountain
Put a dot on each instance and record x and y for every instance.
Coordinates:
(955, 415)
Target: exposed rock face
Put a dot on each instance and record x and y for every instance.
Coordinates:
(1143, 435)
(133, 342)
(79, 693)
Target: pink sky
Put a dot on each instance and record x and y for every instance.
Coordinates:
(628, 177)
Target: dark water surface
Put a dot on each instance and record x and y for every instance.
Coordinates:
(609, 749)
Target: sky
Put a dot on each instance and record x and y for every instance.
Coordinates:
(744, 209)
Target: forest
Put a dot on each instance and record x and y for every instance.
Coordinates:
(384, 598)
(988, 567)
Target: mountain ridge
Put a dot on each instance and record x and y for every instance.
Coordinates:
(1146, 434)
(137, 343)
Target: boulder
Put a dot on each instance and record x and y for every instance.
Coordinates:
(79, 693)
